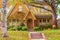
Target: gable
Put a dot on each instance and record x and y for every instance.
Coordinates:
(15, 10)
(25, 10)
(29, 16)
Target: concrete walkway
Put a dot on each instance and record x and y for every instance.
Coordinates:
(36, 36)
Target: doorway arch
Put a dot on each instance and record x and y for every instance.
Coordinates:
(30, 24)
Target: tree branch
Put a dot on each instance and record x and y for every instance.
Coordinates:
(48, 3)
(39, 7)
(37, 3)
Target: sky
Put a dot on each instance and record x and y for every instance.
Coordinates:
(58, 6)
(58, 17)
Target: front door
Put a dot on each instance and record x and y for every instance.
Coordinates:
(30, 24)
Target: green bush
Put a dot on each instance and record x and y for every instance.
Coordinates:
(22, 24)
(19, 28)
(58, 27)
(9, 27)
(45, 26)
(12, 29)
(41, 27)
(24, 28)
(36, 28)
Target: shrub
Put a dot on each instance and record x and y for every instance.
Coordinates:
(36, 28)
(24, 28)
(41, 27)
(45, 26)
(19, 28)
(22, 24)
(9, 27)
(58, 27)
(12, 29)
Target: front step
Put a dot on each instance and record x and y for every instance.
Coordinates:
(36, 36)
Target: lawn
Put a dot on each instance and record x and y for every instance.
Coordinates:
(23, 35)
(52, 34)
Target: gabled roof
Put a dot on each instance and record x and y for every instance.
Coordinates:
(10, 11)
(43, 16)
(30, 14)
(15, 10)
(24, 12)
(40, 2)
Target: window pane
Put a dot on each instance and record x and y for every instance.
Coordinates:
(44, 20)
(17, 20)
(48, 20)
(14, 20)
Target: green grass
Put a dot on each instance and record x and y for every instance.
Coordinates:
(52, 34)
(23, 35)
(16, 35)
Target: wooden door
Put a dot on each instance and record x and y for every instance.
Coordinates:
(30, 24)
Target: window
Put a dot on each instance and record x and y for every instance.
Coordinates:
(17, 20)
(47, 20)
(44, 20)
(14, 20)
(20, 8)
(40, 20)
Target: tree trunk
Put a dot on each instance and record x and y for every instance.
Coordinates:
(54, 15)
(4, 26)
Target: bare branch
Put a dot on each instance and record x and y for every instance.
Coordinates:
(39, 7)
(48, 3)
(37, 3)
